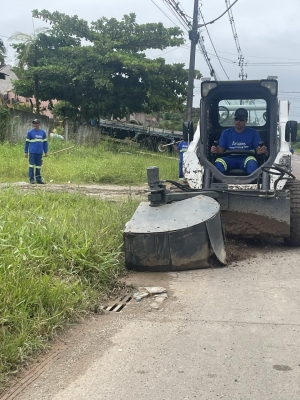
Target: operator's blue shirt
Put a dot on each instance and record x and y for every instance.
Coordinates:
(246, 140)
(182, 147)
(36, 142)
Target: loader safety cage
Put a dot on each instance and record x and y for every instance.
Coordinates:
(225, 97)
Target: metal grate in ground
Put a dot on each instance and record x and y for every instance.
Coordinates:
(118, 304)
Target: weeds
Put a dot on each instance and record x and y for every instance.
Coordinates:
(61, 253)
(105, 163)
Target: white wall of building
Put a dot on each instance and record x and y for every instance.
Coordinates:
(6, 84)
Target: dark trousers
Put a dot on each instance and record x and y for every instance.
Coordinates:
(248, 164)
(181, 170)
(35, 165)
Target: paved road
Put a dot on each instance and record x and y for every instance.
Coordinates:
(225, 333)
(229, 333)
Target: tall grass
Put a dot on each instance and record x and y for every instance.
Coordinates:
(106, 162)
(59, 254)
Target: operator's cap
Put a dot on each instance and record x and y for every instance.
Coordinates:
(241, 114)
(36, 121)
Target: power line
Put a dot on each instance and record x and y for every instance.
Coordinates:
(207, 59)
(182, 23)
(272, 58)
(203, 47)
(165, 13)
(181, 14)
(241, 59)
(186, 21)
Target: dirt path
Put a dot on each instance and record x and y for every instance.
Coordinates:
(105, 192)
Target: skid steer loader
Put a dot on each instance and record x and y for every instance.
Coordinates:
(177, 230)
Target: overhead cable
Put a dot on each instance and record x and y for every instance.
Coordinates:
(165, 13)
(182, 15)
(203, 47)
(241, 59)
(188, 24)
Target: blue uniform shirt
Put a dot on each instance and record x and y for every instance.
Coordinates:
(36, 142)
(246, 140)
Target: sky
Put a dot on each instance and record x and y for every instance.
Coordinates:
(268, 32)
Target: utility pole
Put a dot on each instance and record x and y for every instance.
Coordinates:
(194, 38)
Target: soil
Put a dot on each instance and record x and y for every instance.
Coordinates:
(105, 192)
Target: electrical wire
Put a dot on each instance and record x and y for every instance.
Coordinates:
(182, 22)
(181, 14)
(187, 24)
(200, 12)
(241, 59)
(165, 14)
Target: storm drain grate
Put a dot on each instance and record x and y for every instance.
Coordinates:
(118, 304)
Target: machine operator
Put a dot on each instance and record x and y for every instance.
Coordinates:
(239, 137)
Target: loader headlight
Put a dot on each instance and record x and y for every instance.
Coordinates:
(271, 86)
(206, 87)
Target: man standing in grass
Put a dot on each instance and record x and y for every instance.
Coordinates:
(36, 144)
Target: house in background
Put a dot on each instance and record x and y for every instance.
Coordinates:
(11, 99)
(6, 82)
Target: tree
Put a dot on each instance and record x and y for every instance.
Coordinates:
(2, 52)
(63, 109)
(28, 56)
(173, 119)
(101, 68)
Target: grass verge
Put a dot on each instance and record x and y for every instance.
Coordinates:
(107, 162)
(59, 254)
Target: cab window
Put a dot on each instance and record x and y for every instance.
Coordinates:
(257, 111)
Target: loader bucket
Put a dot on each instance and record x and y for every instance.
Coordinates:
(174, 237)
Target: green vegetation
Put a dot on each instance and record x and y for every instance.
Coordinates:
(100, 68)
(107, 162)
(60, 254)
(173, 120)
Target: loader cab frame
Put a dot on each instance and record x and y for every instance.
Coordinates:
(219, 100)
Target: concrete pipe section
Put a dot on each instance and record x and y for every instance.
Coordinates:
(174, 237)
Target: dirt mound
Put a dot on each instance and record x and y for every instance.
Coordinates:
(245, 249)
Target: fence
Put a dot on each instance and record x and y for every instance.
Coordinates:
(14, 124)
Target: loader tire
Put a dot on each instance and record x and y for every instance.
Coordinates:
(293, 185)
